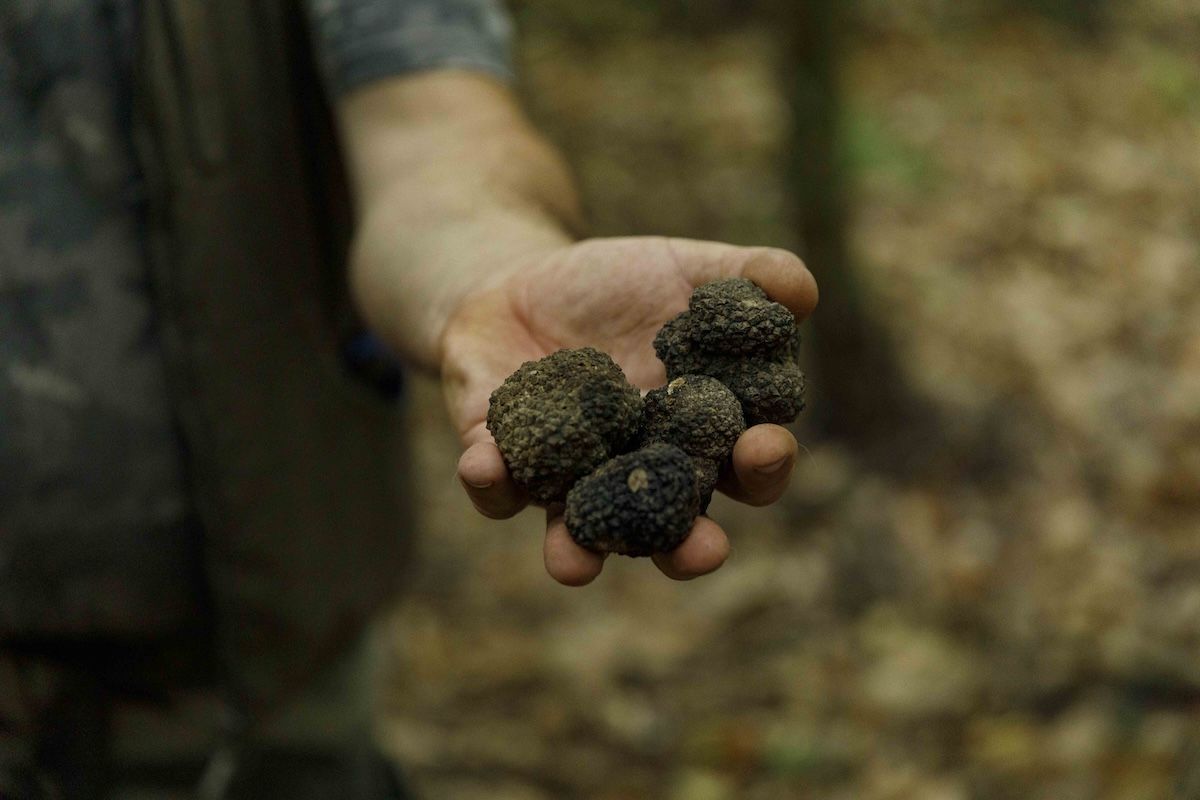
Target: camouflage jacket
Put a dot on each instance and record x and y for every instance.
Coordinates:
(94, 486)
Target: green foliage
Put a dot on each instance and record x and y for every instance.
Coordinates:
(804, 755)
(872, 150)
(1173, 77)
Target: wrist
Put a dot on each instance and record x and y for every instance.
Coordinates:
(410, 274)
(456, 191)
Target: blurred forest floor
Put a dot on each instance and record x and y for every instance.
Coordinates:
(1008, 606)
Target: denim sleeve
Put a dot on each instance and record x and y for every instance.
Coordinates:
(359, 41)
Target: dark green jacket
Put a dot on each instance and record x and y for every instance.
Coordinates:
(294, 464)
(291, 466)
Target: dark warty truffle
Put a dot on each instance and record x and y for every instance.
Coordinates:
(637, 504)
(557, 419)
(770, 391)
(565, 424)
(734, 317)
(697, 413)
(702, 417)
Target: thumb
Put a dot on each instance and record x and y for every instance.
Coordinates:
(781, 274)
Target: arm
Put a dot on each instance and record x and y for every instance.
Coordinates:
(465, 262)
(453, 185)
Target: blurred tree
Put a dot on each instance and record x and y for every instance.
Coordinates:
(1085, 17)
(859, 391)
(703, 17)
(863, 393)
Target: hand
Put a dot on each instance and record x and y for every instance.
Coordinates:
(614, 295)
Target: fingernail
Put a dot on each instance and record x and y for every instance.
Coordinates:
(773, 467)
(474, 485)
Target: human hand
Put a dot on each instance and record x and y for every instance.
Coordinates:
(614, 295)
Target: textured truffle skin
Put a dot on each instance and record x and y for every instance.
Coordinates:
(702, 417)
(558, 418)
(732, 332)
(707, 472)
(734, 317)
(770, 391)
(656, 419)
(697, 413)
(637, 504)
(770, 385)
(674, 347)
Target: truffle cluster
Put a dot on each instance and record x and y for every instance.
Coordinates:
(733, 333)
(635, 473)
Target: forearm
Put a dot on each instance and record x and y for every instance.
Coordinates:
(452, 184)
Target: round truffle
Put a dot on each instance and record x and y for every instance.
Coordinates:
(770, 391)
(556, 419)
(697, 413)
(733, 316)
(637, 504)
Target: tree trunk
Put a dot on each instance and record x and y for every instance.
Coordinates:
(859, 391)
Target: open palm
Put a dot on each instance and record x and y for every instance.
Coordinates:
(614, 295)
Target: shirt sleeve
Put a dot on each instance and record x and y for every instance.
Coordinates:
(359, 41)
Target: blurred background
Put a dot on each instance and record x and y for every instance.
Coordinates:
(985, 580)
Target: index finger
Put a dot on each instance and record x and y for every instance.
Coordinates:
(785, 279)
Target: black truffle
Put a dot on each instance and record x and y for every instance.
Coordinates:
(637, 504)
(702, 417)
(558, 418)
(734, 334)
(733, 316)
(697, 413)
(770, 391)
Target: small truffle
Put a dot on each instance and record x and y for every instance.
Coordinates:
(558, 418)
(734, 317)
(702, 417)
(770, 391)
(637, 504)
(697, 413)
